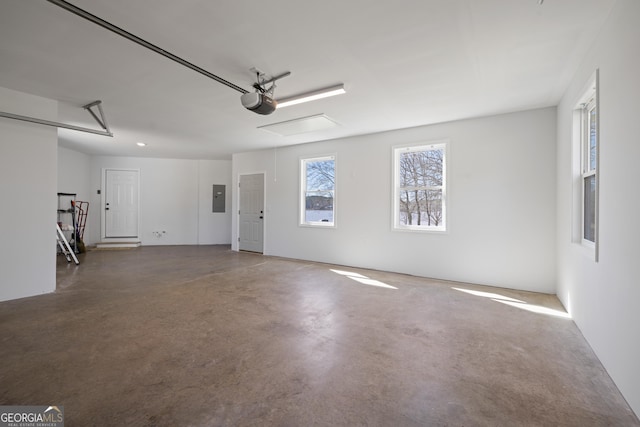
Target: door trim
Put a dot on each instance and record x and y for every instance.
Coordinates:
(264, 208)
(103, 222)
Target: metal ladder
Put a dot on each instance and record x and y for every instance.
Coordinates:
(65, 247)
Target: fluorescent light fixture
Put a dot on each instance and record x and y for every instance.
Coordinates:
(311, 96)
(141, 144)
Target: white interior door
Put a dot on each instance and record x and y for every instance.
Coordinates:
(121, 203)
(251, 233)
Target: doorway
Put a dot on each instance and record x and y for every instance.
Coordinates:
(251, 212)
(120, 203)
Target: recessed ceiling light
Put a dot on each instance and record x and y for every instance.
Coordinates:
(141, 144)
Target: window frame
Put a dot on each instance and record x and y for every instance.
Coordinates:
(589, 170)
(397, 150)
(302, 222)
(587, 101)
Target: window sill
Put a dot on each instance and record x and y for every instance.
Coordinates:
(318, 225)
(433, 230)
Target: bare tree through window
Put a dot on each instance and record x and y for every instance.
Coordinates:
(420, 185)
(319, 190)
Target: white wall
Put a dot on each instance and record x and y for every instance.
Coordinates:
(603, 297)
(28, 192)
(501, 203)
(175, 197)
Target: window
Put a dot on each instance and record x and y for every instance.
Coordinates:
(420, 187)
(318, 188)
(589, 148)
(585, 159)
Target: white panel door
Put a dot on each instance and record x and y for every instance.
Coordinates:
(121, 203)
(251, 213)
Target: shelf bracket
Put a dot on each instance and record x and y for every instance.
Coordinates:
(102, 121)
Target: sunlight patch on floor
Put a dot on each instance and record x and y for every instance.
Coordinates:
(533, 308)
(536, 308)
(363, 279)
(348, 273)
(488, 295)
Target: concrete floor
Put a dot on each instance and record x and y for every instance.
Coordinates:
(202, 336)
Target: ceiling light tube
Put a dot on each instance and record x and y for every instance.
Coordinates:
(311, 96)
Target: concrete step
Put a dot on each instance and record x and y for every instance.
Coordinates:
(118, 245)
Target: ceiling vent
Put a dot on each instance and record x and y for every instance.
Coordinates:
(307, 124)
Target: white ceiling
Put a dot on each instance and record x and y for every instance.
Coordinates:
(404, 63)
